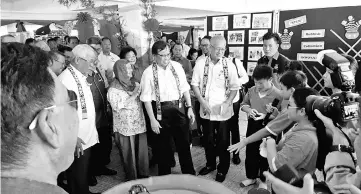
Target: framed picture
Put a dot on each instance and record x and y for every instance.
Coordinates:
(236, 52)
(262, 20)
(255, 53)
(220, 23)
(242, 21)
(236, 37)
(256, 36)
(250, 67)
(216, 33)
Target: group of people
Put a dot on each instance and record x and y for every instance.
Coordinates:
(80, 96)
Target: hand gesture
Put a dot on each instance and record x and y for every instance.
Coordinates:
(79, 147)
(238, 146)
(191, 116)
(270, 108)
(155, 126)
(252, 113)
(281, 187)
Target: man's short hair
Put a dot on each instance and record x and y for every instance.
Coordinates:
(262, 72)
(93, 40)
(158, 46)
(63, 49)
(294, 79)
(50, 39)
(270, 35)
(26, 88)
(55, 54)
(84, 51)
(56, 38)
(125, 51)
(106, 38)
(218, 38)
(207, 37)
(29, 40)
(74, 38)
(296, 65)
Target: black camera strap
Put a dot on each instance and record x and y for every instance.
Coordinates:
(350, 144)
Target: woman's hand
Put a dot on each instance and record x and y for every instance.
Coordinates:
(155, 126)
(281, 187)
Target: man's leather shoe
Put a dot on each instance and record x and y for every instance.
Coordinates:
(107, 172)
(236, 160)
(206, 170)
(92, 181)
(220, 177)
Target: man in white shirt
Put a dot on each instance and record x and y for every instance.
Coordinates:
(74, 78)
(186, 48)
(163, 86)
(106, 58)
(205, 47)
(233, 122)
(215, 83)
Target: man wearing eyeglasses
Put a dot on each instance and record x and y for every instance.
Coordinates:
(74, 78)
(215, 83)
(57, 64)
(205, 47)
(39, 123)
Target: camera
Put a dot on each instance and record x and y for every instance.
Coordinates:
(337, 107)
(341, 76)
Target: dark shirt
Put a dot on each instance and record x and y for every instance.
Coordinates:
(138, 71)
(279, 63)
(25, 186)
(100, 99)
(186, 64)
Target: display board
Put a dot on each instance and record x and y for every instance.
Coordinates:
(243, 33)
(306, 32)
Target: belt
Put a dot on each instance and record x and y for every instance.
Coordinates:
(173, 102)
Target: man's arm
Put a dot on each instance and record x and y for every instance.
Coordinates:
(149, 108)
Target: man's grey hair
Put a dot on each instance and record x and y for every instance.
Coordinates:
(84, 51)
(217, 38)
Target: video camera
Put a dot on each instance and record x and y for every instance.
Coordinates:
(338, 107)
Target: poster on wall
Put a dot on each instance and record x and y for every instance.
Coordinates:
(236, 52)
(320, 45)
(319, 33)
(250, 68)
(216, 33)
(256, 36)
(236, 37)
(255, 53)
(263, 20)
(220, 23)
(242, 21)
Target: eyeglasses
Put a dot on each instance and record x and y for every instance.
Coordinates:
(289, 106)
(204, 45)
(164, 56)
(93, 61)
(73, 102)
(218, 49)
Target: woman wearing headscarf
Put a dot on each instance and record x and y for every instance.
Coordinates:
(129, 123)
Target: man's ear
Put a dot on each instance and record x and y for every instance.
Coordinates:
(47, 130)
(292, 89)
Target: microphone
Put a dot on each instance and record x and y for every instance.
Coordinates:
(266, 118)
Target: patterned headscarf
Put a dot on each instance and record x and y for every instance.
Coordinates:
(121, 75)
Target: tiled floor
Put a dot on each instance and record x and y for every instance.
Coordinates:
(235, 175)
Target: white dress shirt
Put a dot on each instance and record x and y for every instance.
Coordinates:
(168, 89)
(243, 76)
(107, 61)
(87, 129)
(186, 49)
(215, 90)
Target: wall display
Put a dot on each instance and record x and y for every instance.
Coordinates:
(263, 20)
(216, 33)
(256, 36)
(286, 39)
(313, 45)
(236, 37)
(242, 21)
(220, 23)
(255, 53)
(319, 33)
(351, 27)
(307, 56)
(250, 68)
(236, 52)
(295, 21)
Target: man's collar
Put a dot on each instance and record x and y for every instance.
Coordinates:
(177, 58)
(109, 54)
(275, 56)
(77, 71)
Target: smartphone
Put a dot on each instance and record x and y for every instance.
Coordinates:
(288, 174)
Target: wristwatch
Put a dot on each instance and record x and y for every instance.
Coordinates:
(188, 106)
(342, 148)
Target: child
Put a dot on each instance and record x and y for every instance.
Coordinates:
(255, 105)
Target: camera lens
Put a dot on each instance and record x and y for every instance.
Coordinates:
(321, 103)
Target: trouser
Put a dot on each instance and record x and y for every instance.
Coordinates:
(77, 174)
(255, 164)
(150, 134)
(133, 151)
(233, 123)
(100, 156)
(174, 125)
(221, 130)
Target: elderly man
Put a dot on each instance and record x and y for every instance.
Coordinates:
(37, 140)
(7, 38)
(279, 63)
(186, 48)
(215, 83)
(163, 86)
(74, 78)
